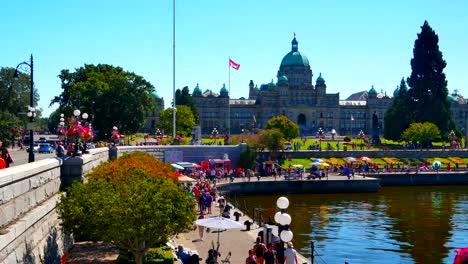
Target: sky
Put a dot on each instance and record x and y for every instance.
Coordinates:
(354, 44)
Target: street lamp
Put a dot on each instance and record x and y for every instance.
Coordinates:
(214, 135)
(320, 134)
(361, 136)
(158, 136)
(283, 220)
(452, 137)
(242, 135)
(333, 133)
(31, 112)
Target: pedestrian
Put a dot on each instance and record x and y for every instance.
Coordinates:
(201, 229)
(251, 259)
(6, 156)
(60, 150)
(259, 249)
(182, 255)
(290, 254)
(269, 255)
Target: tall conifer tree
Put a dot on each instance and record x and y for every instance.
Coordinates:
(427, 96)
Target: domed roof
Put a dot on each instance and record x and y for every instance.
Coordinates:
(283, 79)
(396, 92)
(372, 91)
(223, 89)
(272, 84)
(320, 79)
(197, 90)
(295, 58)
(155, 95)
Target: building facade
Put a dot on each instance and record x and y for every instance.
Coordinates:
(307, 104)
(293, 95)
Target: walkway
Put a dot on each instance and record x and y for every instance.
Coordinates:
(236, 241)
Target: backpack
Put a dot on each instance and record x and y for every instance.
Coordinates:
(259, 250)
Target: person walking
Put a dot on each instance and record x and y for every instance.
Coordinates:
(290, 254)
(6, 156)
(201, 229)
(269, 255)
(251, 259)
(259, 249)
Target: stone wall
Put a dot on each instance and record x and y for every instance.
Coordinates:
(375, 153)
(190, 153)
(291, 187)
(28, 222)
(418, 179)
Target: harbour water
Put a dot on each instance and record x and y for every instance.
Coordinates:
(394, 225)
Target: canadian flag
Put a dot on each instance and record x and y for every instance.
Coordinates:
(234, 65)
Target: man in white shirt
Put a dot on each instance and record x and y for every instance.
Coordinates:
(290, 254)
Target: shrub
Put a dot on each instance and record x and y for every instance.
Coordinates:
(347, 139)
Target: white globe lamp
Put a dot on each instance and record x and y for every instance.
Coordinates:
(282, 203)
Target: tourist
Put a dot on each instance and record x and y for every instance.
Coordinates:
(269, 255)
(259, 249)
(6, 156)
(182, 255)
(201, 229)
(251, 259)
(290, 254)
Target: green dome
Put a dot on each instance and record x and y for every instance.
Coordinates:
(155, 95)
(197, 90)
(320, 80)
(295, 58)
(396, 92)
(223, 89)
(372, 91)
(283, 79)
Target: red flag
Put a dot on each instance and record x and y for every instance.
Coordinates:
(234, 65)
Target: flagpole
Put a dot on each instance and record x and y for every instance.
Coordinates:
(229, 98)
(173, 74)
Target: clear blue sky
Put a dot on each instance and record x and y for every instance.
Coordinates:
(354, 44)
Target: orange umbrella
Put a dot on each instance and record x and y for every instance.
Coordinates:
(2, 164)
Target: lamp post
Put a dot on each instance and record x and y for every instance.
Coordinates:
(31, 112)
(361, 136)
(158, 136)
(283, 220)
(242, 135)
(452, 137)
(320, 134)
(333, 133)
(214, 135)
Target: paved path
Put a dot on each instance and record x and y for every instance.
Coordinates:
(21, 156)
(236, 241)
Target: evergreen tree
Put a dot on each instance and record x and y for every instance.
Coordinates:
(427, 96)
(185, 98)
(396, 118)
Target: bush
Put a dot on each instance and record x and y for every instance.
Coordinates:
(162, 255)
(347, 139)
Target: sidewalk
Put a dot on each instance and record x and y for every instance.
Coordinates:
(236, 241)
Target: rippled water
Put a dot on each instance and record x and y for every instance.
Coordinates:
(395, 225)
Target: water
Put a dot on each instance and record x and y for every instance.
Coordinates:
(395, 225)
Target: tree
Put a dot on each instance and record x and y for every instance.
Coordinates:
(272, 139)
(423, 133)
(427, 96)
(15, 100)
(396, 119)
(110, 96)
(289, 129)
(184, 120)
(136, 208)
(185, 98)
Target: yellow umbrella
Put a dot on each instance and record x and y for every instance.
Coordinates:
(184, 178)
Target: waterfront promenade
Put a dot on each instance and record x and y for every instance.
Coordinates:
(236, 241)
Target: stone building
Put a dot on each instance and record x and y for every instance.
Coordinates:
(152, 120)
(295, 96)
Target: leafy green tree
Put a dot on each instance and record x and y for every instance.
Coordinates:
(396, 120)
(185, 98)
(247, 158)
(15, 100)
(423, 133)
(272, 139)
(184, 120)
(110, 96)
(135, 209)
(428, 91)
(288, 128)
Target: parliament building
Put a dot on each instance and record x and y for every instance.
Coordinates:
(296, 96)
